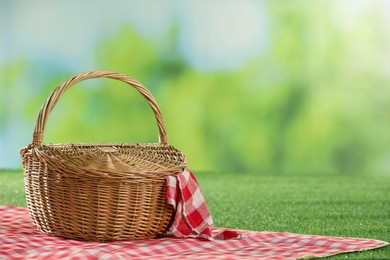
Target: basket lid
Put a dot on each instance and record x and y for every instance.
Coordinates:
(110, 160)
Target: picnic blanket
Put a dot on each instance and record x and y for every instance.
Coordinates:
(19, 239)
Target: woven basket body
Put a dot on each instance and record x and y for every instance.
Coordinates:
(99, 192)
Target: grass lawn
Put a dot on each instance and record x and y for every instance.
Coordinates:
(334, 205)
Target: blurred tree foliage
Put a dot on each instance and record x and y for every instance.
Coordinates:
(315, 101)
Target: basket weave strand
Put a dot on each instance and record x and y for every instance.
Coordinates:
(99, 192)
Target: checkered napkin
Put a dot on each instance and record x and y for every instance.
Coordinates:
(192, 217)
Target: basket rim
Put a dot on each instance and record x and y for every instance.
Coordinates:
(127, 161)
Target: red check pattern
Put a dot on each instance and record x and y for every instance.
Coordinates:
(19, 239)
(192, 217)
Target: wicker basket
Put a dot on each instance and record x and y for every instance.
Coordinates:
(99, 192)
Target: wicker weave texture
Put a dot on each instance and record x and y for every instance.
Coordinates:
(99, 192)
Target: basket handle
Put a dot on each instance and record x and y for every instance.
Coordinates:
(51, 101)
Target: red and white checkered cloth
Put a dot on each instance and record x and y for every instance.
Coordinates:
(19, 239)
(192, 217)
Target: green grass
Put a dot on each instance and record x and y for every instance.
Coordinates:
(333, 205)
(12, 188)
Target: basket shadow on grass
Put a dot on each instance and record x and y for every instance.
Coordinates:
(332, 205)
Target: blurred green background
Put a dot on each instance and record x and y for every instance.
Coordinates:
(265, 86)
